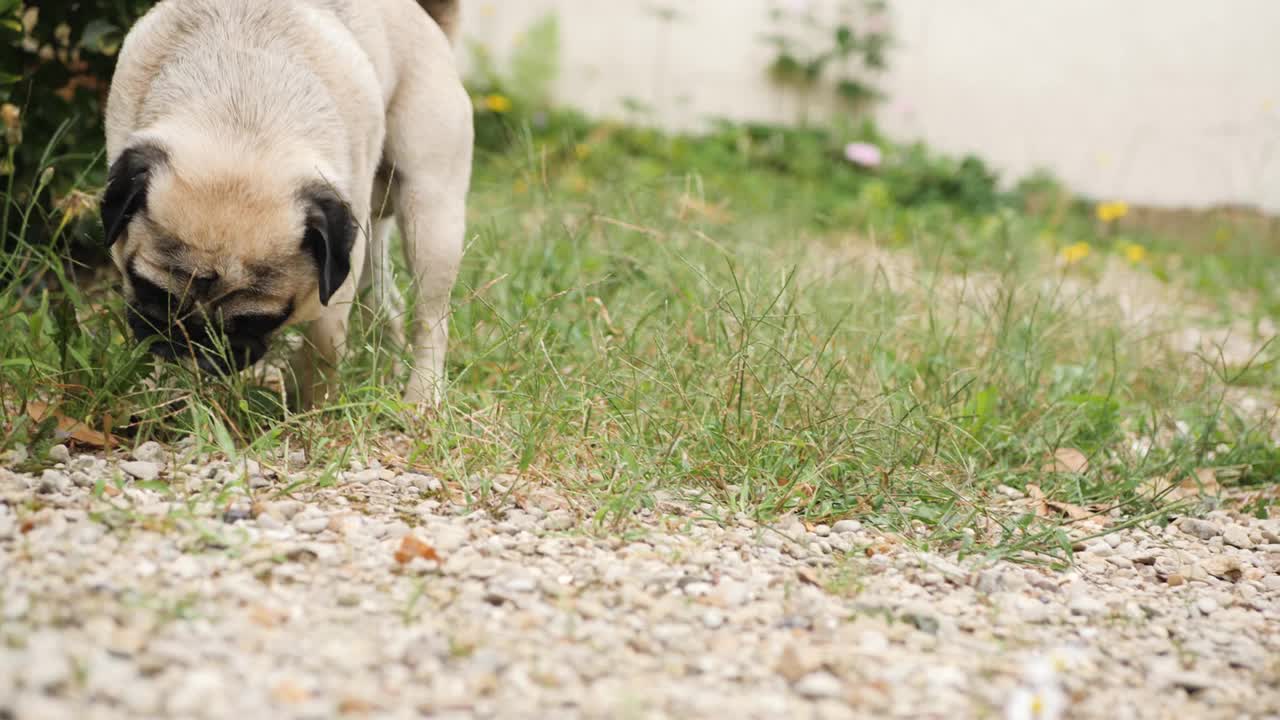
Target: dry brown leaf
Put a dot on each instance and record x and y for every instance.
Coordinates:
(716, 213)
(1075, 512)
(289, 693)
(1067, 460)
(354, 706)
(73, 429)
(1203, 483)
(1038, 502)
(411, 547)
(806, 576)
(265, 616)
(1044, 507)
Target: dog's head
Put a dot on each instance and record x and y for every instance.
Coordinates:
(217, 255)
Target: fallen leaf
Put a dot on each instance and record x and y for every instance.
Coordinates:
(1203, 483)
(266, 617)
(1038, 503)
(411, 547)
(1067, 460)
(1044, 507)
(880, 548)
(807, 576)
(73, 429)
(716, 213)
(1075, 512)
(289, 692)
(354, 706)
(792, 665)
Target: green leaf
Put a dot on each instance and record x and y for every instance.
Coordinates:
(222, 436)
(101, 36)
(844, 37)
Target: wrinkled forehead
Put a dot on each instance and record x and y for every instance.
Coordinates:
(161, 254)
(258, 221)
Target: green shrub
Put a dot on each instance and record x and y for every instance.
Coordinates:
(59, 57)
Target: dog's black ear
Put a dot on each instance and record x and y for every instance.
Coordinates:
(329, 236)
(127, 184)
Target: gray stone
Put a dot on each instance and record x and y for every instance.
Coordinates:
(141, 469)
(196, 691)
(1224, 567)
(425, 483)
(1202, 529)
(990, 581)
(1087, 605)
(820, 684)
(60, 453)
(52, 481)
(311, 524)
(1237, 536)
(150, 452)
(846, 526)
(560, 520)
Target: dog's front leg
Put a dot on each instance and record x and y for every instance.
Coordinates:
(315, 364)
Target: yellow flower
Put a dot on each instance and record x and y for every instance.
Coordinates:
(9, 115)
(1111, 211)
(1222, 234)
(521, 187)
(498, 103)
(1076, 252)
(582, 150)
(1133, 252)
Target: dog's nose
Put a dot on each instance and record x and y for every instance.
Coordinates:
(202, 284)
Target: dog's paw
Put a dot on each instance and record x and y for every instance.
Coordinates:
(423, 392)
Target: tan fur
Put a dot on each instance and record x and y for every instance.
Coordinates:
(255, 100)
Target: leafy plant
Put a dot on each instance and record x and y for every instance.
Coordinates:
(58, 62)
(809, 51)
(521, 89)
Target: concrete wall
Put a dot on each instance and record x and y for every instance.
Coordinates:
(1167, 102)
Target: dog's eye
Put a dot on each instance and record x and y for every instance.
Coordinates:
(149, 294)
(259, 325)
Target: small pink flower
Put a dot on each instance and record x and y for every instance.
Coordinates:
(863, 154)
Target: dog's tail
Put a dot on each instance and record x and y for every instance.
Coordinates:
(445, 13)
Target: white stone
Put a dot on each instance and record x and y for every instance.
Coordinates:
(819, 685)
(140, 469)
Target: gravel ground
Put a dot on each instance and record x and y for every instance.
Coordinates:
(381, 596)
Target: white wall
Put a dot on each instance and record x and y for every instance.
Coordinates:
(1168, 102)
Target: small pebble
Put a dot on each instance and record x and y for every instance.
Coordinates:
(141, 469)
(60, 453)
(846, 526)
(819, 685)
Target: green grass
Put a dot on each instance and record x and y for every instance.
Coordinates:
(641, 315)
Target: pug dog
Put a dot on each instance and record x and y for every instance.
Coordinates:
(260, 156)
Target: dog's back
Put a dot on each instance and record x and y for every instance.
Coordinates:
(445, 13)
